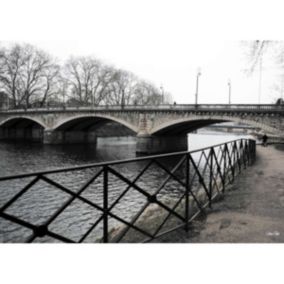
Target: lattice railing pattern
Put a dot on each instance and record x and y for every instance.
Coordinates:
(134, 200)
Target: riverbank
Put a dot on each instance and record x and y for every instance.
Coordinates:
(252, 211)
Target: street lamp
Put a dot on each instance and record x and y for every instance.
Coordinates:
(197, 79)
(163, 98)
(230, 86)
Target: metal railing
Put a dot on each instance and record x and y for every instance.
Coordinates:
(185, 107)
(134, 200)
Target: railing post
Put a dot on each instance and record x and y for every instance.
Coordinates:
(254, 150)
(211, 176)
(233, 161)
(251, 151)
(242, 152)
(224, 169)
(105, 205)
(187, 189)
(246, 154)
(238, 155)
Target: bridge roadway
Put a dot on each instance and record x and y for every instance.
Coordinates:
(160, 128)
(252, 211)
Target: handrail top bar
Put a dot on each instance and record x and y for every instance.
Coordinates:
(161, 106)
(111, 163)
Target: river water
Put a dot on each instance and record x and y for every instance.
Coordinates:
(38, 204)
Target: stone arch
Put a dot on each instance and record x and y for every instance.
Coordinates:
(22, 128)
(182, 125)
(35, 120)
(59, 125)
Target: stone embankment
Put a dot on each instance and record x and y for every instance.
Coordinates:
(252, 211)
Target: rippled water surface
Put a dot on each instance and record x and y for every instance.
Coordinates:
(43, 200)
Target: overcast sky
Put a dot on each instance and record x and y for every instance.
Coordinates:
(160, 41)
(164, 41)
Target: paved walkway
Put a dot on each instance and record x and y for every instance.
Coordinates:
(251, 212)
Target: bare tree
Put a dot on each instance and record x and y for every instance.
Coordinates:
(11, 62)
(147, 94)
(88, 79)
(31, 77)
(120, 88)
(51, 83)
(255, 51)
(27, 74)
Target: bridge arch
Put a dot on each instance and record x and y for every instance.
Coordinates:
(10, 120)
(185, 125)
(22, 128)
(84, 122)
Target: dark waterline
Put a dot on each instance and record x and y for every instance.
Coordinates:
(16, 158)
(28, 157)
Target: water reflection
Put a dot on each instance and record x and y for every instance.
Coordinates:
(27, 157)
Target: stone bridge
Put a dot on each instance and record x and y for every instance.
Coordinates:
(158, 128)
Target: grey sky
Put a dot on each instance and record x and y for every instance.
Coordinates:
(161, 41)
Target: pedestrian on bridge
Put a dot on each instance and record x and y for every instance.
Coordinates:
(264, 140)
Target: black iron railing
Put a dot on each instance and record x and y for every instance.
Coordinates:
(134, 200)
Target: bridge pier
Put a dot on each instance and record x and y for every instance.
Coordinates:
(148, 144)
(68, 137)
(26, 134)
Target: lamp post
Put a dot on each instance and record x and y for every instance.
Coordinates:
(230, 86)
(163, 94)
(197, 82)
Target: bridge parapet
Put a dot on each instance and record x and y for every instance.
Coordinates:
(156, 126)
(178, 107)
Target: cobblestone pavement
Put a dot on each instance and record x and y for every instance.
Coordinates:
(252, 211)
